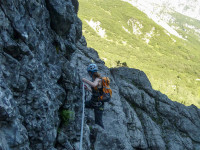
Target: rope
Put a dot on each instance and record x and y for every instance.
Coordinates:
(81, 138)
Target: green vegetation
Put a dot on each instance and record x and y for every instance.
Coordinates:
(67, 116)
(123, 64)
(171, 63)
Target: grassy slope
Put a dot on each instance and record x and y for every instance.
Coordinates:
(172, 67)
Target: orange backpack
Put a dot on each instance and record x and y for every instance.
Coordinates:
(107, 92)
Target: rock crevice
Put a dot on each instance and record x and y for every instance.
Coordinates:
(43, 57)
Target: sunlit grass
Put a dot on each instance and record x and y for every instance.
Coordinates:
(172, 67)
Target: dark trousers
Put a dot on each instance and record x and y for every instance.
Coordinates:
(98, 111)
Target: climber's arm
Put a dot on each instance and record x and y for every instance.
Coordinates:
(92, 84)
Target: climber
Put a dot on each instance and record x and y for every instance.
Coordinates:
(97, 100)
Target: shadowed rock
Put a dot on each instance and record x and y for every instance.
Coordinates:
(43, 57)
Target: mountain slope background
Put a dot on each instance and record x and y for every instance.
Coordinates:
(43, 58)
(165, 47)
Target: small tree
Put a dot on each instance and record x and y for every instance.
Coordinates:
(124, 64)
(118, 63)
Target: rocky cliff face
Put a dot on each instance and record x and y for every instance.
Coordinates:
(43, 57)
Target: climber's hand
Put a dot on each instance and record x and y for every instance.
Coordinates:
(86, 87)
(83, 79)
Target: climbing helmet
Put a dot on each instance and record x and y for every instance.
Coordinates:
(92, 68)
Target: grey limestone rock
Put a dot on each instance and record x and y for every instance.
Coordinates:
(43, 57)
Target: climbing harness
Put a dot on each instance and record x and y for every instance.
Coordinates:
(81, 138)
(97, 104)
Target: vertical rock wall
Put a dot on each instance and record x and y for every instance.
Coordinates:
(43, 57)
